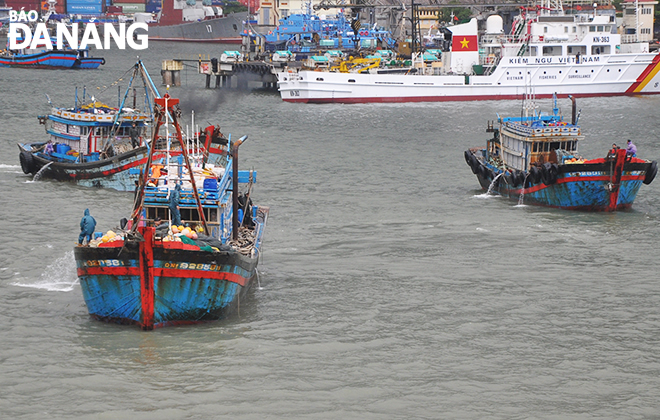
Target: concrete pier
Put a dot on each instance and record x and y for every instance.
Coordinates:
(223, 73)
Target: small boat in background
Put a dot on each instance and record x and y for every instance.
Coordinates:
(96, 145)
(66, 58)
(159, 271)
(535, 158)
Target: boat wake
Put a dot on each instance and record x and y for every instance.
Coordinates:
(11, 168)
(60, 276)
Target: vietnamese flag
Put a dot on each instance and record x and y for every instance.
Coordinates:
(464, 43)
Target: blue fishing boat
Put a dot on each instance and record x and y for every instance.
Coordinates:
(535, 158)
(96, 145)
(159, 270)
(65, 58)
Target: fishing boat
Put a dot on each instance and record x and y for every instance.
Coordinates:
(156, 276)
(96, 145)
(534, 158)
(43, 57)
(194, 21)
(580, 55)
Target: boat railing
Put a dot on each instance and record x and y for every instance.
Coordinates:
(542, 131)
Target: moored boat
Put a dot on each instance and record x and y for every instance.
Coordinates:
(535, 158)
(193, 21)
(96, 145)
(579, 55)
(65, 58)
(154, 273)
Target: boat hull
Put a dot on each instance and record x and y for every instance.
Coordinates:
(52, 59)
(46, 59)
(616, 75)
(224, 30)
(599, 186)
(162, 284)
(119, 172)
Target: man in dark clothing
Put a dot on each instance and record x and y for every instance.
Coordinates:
(134, 131)
(87, 226)
(175, 197)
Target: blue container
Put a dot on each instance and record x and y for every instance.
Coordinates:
(62, 148)
(210, 184)
(98, 235)
(93, 157)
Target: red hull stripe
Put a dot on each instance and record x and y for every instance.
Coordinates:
(163, 272)
(580, 178)
(113, 171)
(642, 77)
(445, 98)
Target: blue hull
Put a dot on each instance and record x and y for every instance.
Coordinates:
(118, 172)
(69, 59)
(586, 194)
(183, 286)
(590, 187)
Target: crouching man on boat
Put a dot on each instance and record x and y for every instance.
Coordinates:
(612, 153)
(87, 226)
(631, 150)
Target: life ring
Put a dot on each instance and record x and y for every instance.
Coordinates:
(27, 162)
(651, 172)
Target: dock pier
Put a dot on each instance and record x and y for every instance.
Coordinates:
(229, 71)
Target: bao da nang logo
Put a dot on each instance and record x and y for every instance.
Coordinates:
(22, 35)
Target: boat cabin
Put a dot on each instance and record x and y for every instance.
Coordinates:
(525, 142)
(83, 133)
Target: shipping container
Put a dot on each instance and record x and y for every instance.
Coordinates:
(85, 7)
(130, 8)
(26, 5)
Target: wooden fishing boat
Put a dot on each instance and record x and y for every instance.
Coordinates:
(65, 58)
(154, 277)
(535, 157)
(91, 144)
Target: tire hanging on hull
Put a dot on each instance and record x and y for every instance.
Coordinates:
(27, 162)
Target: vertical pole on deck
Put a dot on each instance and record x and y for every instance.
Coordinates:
(147, 292)
(234, 187)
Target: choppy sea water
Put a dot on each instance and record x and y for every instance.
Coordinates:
(390, 286)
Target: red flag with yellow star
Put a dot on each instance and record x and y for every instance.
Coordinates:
(464, 43)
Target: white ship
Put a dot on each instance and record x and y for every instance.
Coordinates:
(547, 50)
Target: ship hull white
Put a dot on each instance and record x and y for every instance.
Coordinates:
(607, 75)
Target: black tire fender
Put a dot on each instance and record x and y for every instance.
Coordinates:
(651, 172)
(27, 162)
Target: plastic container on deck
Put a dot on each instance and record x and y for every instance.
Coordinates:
(62, 148)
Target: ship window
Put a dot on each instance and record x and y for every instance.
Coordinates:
(319, 79)
(351, 80)
(535, 147)
(565, 29)
(592, 28)
(600, 28)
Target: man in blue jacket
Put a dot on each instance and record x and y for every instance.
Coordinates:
(87, 226)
